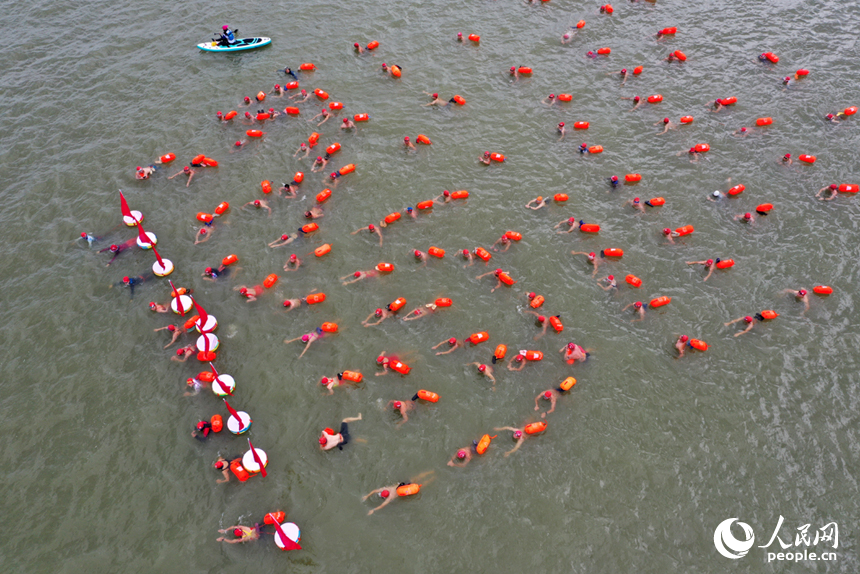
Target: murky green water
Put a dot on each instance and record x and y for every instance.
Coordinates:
(639, 463)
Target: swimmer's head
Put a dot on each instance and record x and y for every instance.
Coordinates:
(667, 231)
(384, 494)
(452, 341)
(747, 215)
(319, 331)
(636, 98)
(247, 100)
(497, 271)
(305, 338)
(590, 54)
(381, 360)
(345, 120)
(571, 346)
(513, 69)
(319, 158)
(718, 101)
(447, 193)
(435, 96)
(541, 318)
(208, 271)
(505, 240)
(114, 248)
(519, 358)
(397, 404)
(532, 295)
(459, 34)
(237, 532)
(635, 200)
(201, 425)
(716, 193)
(665, 120)
(561, 124)
(179, 353)
(518, 434)
(408, 210)
(356, 44)
(257, 203)
(614, 179)
(293, 257)
(591, 256)
(247, 114)
(378, 312)
(547, 395)
(786, 80)
(801, 293)
(482, 368)
(552, 96)
(284, 237)
(333, 175)
(611, 277)
(566, 36)
(322, 440)
(833, 186)
(217, 114)
(787, 156)
(486, 154)
(238, 144)
(186, 169)
(384, 66)
(152, 305)
(203, 231)
(743, 130)
(243, 291)
(225, 27)
(637, 305)
(709, 262)
(287, 303)
(406, 139)
(371, 228)
(748, 319)
(829, 116)
(126, 280)
(357, 274)
(465, 253)
(219, 464)
(623, 70)
(684, 338)
(461, 454)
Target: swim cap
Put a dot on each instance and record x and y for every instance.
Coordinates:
(748, 319)
(186, 168)
(322, 440)
(243, 291)
(293, 257)
(541, 318)
(614, 178)
(305, 338)
(518, 433)
(378, 312)
(482, 368)
(709, 262)
(551, 96)
(718, 101)
(284, 237)
(465, 253)
(787, 156)
(519, 358)
(692, 150)
(138, 168)
(665, 120)
(452, 341)
(152, 305)
(417, 253)
(406, 138)
(357, 274)
(203, 231)
(219, 464)
(217, 114)
(497, 271)
(571, 220)
(247, 99)
(829, 116)
(237, 531)
(513, 68)
(561, 124)
(505, 240)
(667, 231)
(591, 255)
(179, 353)
(461, 454)
(114, 248)
(786, 79)
(747, 215)
(84, 235)
(287, 303)
(611, 277)
(383, 65)
(172, 328)
(238, 144)
(459, 34)
(635, 200)
(571, 346)
(247, 114)
(447, 193)
(636, 98)
(802, 292)
(547, 395)
(532, 295)
(384, 494)
(125, 279)
(624, 70)
(832, 186)
(637, 304)
(356, 44)
(590, 53)
(201, 425)
(684, 338)
(716, 193)
(435, 95)
(397, 404)
(256, 203)
(743, 130)
(224, 27)
(486, 153)
(371, 228)
(345, 120)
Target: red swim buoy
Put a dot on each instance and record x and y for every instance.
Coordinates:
(848, 188)
(254, 133)
(806, 158)
(474, 38)
(680, 55)
(737, 190)
(822, 290)
(307, 67)
(763, 121)
(655, 99)
(633, 178)
(686, 119)
(633, 281)
(580, 125)
(604, 51)
(702, 147)
(565, 97)
(637, 70)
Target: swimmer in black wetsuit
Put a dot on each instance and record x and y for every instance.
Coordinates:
(133, 281)
(117, 249)
(210, 274)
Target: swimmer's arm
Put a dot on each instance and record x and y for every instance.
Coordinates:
(190, 177)
(750, 326)
(434, 347)
(710, 272)
(484, 275)
(451, 350)
(513, 450)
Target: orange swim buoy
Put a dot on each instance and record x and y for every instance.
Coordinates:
(589, 227)
(397, 304)
(655, 202)
(580, 24)
(322, 250)
(660, 301)
(266, 185)
(408, 489)
(428, 396)
(335, 105)
(702, 147)
(612, 252)
(401, 368)
(685, 230)
(361, 117)
(850, 111)
(637, 70)
(768, 314)
(532, 355)
(669, 31)
(806, 158)
(536, 301)
(633, 178)
(513, 235)
(729, 101)
(655, 99)
(698, 345)
(436, 252)
(315, 298)
(595, 149)
(351, 376)
(198, 159)
(261, 96)
(737, 190)
(321, 94)
(230, 115)
(524, 70)
(254, 133)
(483, 444)
(229, 260)
(506, 279)
(292, 85)
(460, 100)
(773, 58)
(483, 254)
(474, 38)
(373, 45)
(396, 71)
(190, 324)
(209, 162)
(443, 302)
(392, 217)
(273, 517)
(479, 337)
(763, 121)
(292, 111)
(500, 352)
(565, 97)
(348, 168)
(763, 208)
(307, 67)
(329, 327)
(270, 280)
(848, 188)
(309, 227)
(567, 384)
(323, 195)
(560, 197)
(497, 157)
(535, 428)
(686, 119)
(168, 157)
(556, 324)
(239, 470)
(422, 139)
(298, 177)
(460, 194)
(633, 281)
(262, 116)
(604, 51)
(221, 208)
(383, 267)
(680, 55)
(425, 205)
(205, 217)
(580, 125)
(313, 139)
(217, 423)
(333, 148)
(822, 290)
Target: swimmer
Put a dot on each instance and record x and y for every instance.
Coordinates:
(250, 293)
(636, 203)
(132, 282)
(614, 181)
(487, 371)
(358, 48)
(289, 72)
(248, 120)
(485, 159)
(573, 353)
(246, 102)
(717, 103)
(238, 145)
(372, 229)
(453, 343)
(380, 314)
(636, 100)
(359, 275)
(277, 90)
(831, 192)
(834, 118)
(681, 345)
(203, 234)
(709, 264)
(259, 204)
(801, 296)
(293, 263)
(498, 274)
(571, 225)
(670, 235)
(420, 256)
(330, 383)
(742, 132)
(550, 395)
(303, 94)
(325, 114)
(408, 145)
(610, 283)
(273, 114)
(468, 256)
(717, 195)
(542, 321)
(638, 307)
(504, 241)
(667, 125)
(519, 359)
(419, 313)
(117, 249)
(290, 304)
(285, 239)
(242, 534)
(348, 124)
(446, 194)
(201, 430)
(518, 435)
(567, 36)
(195, 385)
(550, 99)
(536, 203)
(747, 217)
(390, 69)
(90, 239)
(750, 322)
(402, 407)
(144, 172)
(187, 171)
(437, 101)
(314, 213)
(303, 147)
(288, 190)
(328, 441)
(623, 73)
(307, 339)
(460, 37)
(174, 331)
(156, 308)
(561, 130)
(694, 155)
(592, 259)
(462, 457)
(514, 73)
(319, 164)
(786, 159)
(184, 353)
(223, 465)
(386, 491)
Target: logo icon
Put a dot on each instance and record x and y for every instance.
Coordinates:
(727, 544)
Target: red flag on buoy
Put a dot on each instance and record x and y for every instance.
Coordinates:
(224, 387)
(141, 235)
(172, 286)
(257, 458)
(202, 312)
(126, 212)
(233, 412)
(160, 262)
(289, 544)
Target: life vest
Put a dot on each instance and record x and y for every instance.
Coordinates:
(848, 188)
(309, 227)
(460, 194)
(384, 267)
(217, 423)
(333, 148)
(230, 36)
(589, 227)
(266, 185)
(348, 168)
(221, 208)
(685, 230)
(612, 252)
(560, 197)
(701, 148)
(655, 99)
(764, 121)
(323, 195)
(806, 158)
(739, 188)
(633, 177)
(513, 235)
(273, 517)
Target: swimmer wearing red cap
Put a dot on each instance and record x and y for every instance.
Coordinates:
(573, 353)
(116, 249)
(717, 103)
(307, 339)
(408, 145)
(319, 164)
(637, 101)
(144, 172)
(681, 345)
(670, 235)
(550, 395)
(498, 274)
(331, 382)
(639, 308)
(251, 293)
(259, 204)
(246, 102)
(571, 223)
(610, 283)
(487, 371)
(692, 153)
(831, 192)
(437, 101)
(285, 239)
(223, 465)
(420, 256)
(421, 312)
(485, 159)
(303, 94)
(623, 73)
(242, 534)
(561, 130)
(184, 353)
(801, 295)
(278, 90)
(325, 114)
(747, 217)
(204, 234)
(786, 160)
(402, 407)
(709, 264)
(175, 331)
(381, 315)
(293, 263)
(155, 307)
(453, 344)
(667, 125)
(514, 73)
(503, 240)
(542, 321)
(359, 275)
(749, 320)
(328, 441)
(520, 360)
(387, 492)
(636, 203)
(303, 149)
(187, 171)
(462, 457)
(592, 259)
(537, 202)
(348, 124)
(517, 434)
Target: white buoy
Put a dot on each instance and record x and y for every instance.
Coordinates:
(163, 270)
(291, 530)
(183, 300)
(228, 383)
(213, 342)
(132, 221)
(235, 427)
(250, 464)
(153, 240)
(209, 326)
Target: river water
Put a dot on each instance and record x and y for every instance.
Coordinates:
(640, 462)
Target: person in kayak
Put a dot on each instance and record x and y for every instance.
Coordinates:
(228, 36)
